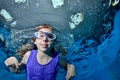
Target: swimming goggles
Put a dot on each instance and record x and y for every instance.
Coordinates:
(42, 34)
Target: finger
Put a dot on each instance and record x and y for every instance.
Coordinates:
(67, 76)
(17, 65)
(6, 63)
(20, 63)
(72, 74)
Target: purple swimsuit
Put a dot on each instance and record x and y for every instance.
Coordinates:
(36, 71)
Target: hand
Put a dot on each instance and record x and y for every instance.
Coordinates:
(70, 71)
(12, 61)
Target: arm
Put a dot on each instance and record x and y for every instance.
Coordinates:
(69, 67)
(25, 58)
(70, 71)
(13, 63)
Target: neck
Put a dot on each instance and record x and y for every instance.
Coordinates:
(44, 54)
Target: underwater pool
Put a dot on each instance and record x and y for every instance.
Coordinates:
(87, 29)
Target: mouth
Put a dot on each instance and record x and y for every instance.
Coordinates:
(44, 45)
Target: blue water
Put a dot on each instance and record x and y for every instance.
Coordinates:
(94, 59)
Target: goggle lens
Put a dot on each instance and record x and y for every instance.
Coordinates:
(41, 34)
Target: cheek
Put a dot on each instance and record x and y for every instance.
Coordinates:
(37, 41)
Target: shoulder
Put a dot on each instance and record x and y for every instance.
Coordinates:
(25, 57)
(27, 53)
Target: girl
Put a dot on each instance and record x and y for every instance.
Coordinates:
(42, 61)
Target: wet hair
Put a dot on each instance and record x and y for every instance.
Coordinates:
(45, 26)
(24, 49)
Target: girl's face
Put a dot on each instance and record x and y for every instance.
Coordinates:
(44, 40)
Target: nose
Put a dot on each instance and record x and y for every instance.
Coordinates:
(45, 38)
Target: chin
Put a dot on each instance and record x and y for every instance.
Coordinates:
(44, 49)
